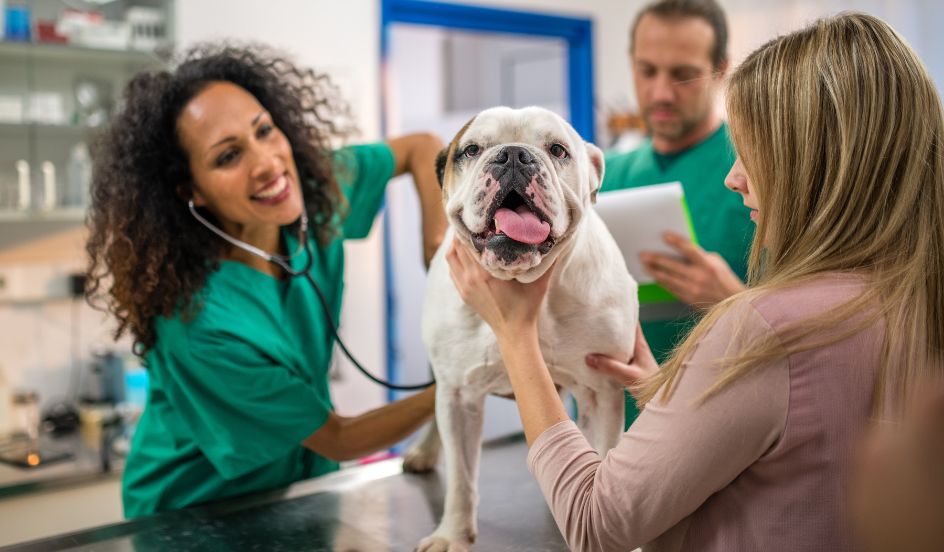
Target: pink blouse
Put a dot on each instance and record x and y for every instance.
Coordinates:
(762, 465)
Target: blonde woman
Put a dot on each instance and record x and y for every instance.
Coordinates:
(748, 431)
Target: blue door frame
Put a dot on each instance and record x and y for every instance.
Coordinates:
(577, 32)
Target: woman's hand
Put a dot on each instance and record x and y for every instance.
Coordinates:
(511, 309)
(507, 306)
(642, 365)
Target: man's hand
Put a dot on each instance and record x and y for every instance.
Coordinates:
(700, 279)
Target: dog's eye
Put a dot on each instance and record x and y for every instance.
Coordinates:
(471, 150)
(558, 151)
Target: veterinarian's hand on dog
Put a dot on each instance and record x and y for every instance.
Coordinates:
(701, 279)
(507, 306)
(642, 365)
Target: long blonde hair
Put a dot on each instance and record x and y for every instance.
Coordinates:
(840, 128)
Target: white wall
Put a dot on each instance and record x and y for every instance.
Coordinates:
(40, 338)
(754, 22)
(340, 38)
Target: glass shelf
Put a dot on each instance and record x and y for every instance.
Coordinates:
(77, 130)
(75, 53)
(62, 214)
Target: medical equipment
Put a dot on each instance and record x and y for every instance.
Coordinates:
(284, 263)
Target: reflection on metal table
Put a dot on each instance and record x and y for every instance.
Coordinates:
(367, 508)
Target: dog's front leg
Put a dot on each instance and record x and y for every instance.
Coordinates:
(459, 415)
(600, 415)
(611, 416)
(423, 454)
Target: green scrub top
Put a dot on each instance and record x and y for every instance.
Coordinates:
(235, 390)
(721, 221)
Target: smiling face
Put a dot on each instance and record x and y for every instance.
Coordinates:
(515, 183)
(241, 163)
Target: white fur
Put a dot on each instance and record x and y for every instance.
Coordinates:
(591, 307)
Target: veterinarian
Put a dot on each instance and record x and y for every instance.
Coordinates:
(679, 57)
(237, 352)
(749, 432)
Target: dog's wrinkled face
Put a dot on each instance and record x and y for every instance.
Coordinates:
(515, 184)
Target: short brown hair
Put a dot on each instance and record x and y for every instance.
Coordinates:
(709, 10)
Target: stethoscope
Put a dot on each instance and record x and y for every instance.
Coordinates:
(284, 262)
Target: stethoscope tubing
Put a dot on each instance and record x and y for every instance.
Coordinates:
(285, 264)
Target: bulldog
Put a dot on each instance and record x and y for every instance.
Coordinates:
(518, 187)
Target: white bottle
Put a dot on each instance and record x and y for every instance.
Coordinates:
(49, 186)
(6, 405)
(23, 183)
(79, 176)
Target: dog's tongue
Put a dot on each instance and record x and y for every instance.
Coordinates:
(521, 225)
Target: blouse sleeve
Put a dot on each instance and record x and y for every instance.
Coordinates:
(676, 454)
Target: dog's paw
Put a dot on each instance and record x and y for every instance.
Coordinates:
(419, 460)
(441, 543)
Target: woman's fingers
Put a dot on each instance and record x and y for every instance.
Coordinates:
(458, 269)
(642, 346)
(624, 373)
(642, 365)
(452, 256)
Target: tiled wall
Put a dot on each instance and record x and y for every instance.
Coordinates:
(38, 342)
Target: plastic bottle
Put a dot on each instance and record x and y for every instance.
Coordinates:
(6, 405)
(79, 175)
(49, 186)
(23, 200)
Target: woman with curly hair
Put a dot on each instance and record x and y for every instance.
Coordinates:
(237, 351)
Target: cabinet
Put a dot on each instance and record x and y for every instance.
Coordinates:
(55, 97)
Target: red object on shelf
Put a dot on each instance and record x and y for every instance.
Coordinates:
(46, 32)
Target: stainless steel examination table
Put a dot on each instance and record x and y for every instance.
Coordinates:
(367, 508)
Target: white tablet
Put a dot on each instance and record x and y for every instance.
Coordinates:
(637, 218)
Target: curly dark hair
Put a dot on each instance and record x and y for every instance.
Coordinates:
(148, 256)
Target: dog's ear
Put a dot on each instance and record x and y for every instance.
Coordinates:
(441, 165)
(595, 156)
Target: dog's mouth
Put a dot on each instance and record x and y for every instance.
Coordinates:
(514, 225)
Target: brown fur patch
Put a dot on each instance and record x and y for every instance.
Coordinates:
(450, 154)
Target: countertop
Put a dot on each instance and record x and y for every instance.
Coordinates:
(366, 508)
(82, 465)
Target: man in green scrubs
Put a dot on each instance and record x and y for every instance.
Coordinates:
(236, 390)
(678, 55)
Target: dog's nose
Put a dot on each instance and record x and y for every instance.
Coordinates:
(511, 154)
